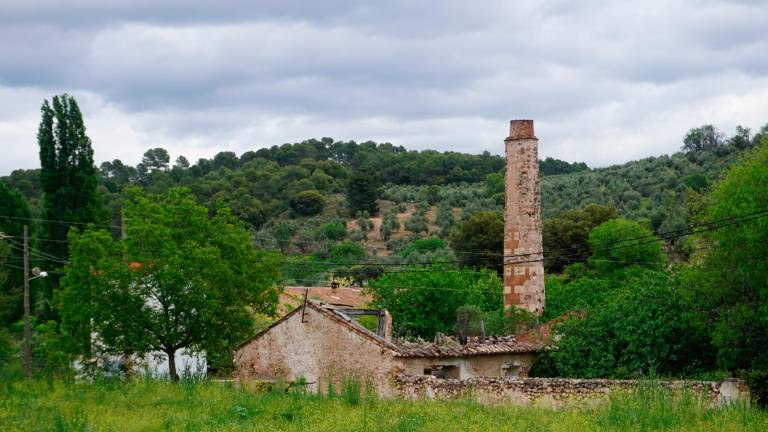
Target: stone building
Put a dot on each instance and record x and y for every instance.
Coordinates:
(323, 344)
(523, 253)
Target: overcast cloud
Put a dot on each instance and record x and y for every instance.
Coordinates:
(606, 82)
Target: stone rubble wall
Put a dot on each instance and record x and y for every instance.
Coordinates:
(556, 392)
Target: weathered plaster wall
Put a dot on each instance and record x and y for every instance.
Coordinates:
(554, 392)
(474, 366)
(523, 265)
(315, 349)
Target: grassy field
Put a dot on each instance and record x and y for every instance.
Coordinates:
(148, 405)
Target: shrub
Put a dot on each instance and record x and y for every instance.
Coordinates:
(334, 230)
(307, 203)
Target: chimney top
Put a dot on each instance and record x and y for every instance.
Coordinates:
(521, 129)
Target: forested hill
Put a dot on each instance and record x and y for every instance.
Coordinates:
(258, 185)
(293, 183)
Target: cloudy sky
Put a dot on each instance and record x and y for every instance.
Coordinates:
(606, 82)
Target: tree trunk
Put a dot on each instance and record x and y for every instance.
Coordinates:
(172, 365)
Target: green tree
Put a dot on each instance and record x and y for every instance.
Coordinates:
(620, 243)
(706, 137)
(14, 213)
(424, 303)
(307, 203)
(68, 179)
(565, 237)
(741, 139)
(482, 238)
(156, 159)
(335, 230)
(180, 279)
(181, 162)
(363, 191)
(731, 283)
(643, 327)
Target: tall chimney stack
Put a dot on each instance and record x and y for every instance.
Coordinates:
(523, 257)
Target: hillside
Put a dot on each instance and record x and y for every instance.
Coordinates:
(447, 188)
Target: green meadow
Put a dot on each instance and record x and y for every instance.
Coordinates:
(153, 405)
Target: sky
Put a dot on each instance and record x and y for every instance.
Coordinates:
(605, 82)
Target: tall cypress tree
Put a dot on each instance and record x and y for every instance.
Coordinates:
(69, 182)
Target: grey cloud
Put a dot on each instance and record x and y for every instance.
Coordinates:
(213, 74)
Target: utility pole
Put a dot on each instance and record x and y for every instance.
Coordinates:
(27, 330)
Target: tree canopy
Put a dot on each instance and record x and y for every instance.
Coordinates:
(68, 179)
(179, 279)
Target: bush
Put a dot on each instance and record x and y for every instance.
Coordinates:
(307, 203)
(334, 230)
(757, 381)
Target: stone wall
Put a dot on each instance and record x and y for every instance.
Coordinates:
(554, 392)
(523, 264)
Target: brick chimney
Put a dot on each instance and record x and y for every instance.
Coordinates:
(523, 265)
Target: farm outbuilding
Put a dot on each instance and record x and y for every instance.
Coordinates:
(324, 344)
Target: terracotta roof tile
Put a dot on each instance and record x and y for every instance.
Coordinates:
(474, 346)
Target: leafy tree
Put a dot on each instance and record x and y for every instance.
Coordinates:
(696, 182)
(760, 136)
(308, 203)
(565, 237)
(424, 303)
(417, 223)
(551, 166)
(430, 244)
(482, 238)
(181, 162)
(335, 230)
(156, 159)
(226, 159)
(705, 137)
(731, 283)
(445, 219)
(117, 175)
(347, 252)
(742, 139)
(362, 192)
(389, 224)
(620, 243)
(645, 327)
(180, 279)
(433, 195)
(494, 185)
(14, 213)
(68, 179)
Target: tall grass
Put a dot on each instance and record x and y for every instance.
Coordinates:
(152, 405)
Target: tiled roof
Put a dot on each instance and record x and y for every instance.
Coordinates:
(349, 297)
(450, 347)
(475, 346)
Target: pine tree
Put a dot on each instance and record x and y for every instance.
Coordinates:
(69, 182)
(362, 192)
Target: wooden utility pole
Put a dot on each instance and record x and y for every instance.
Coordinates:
(27, 330)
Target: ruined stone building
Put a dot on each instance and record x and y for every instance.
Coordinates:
(321, 342)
